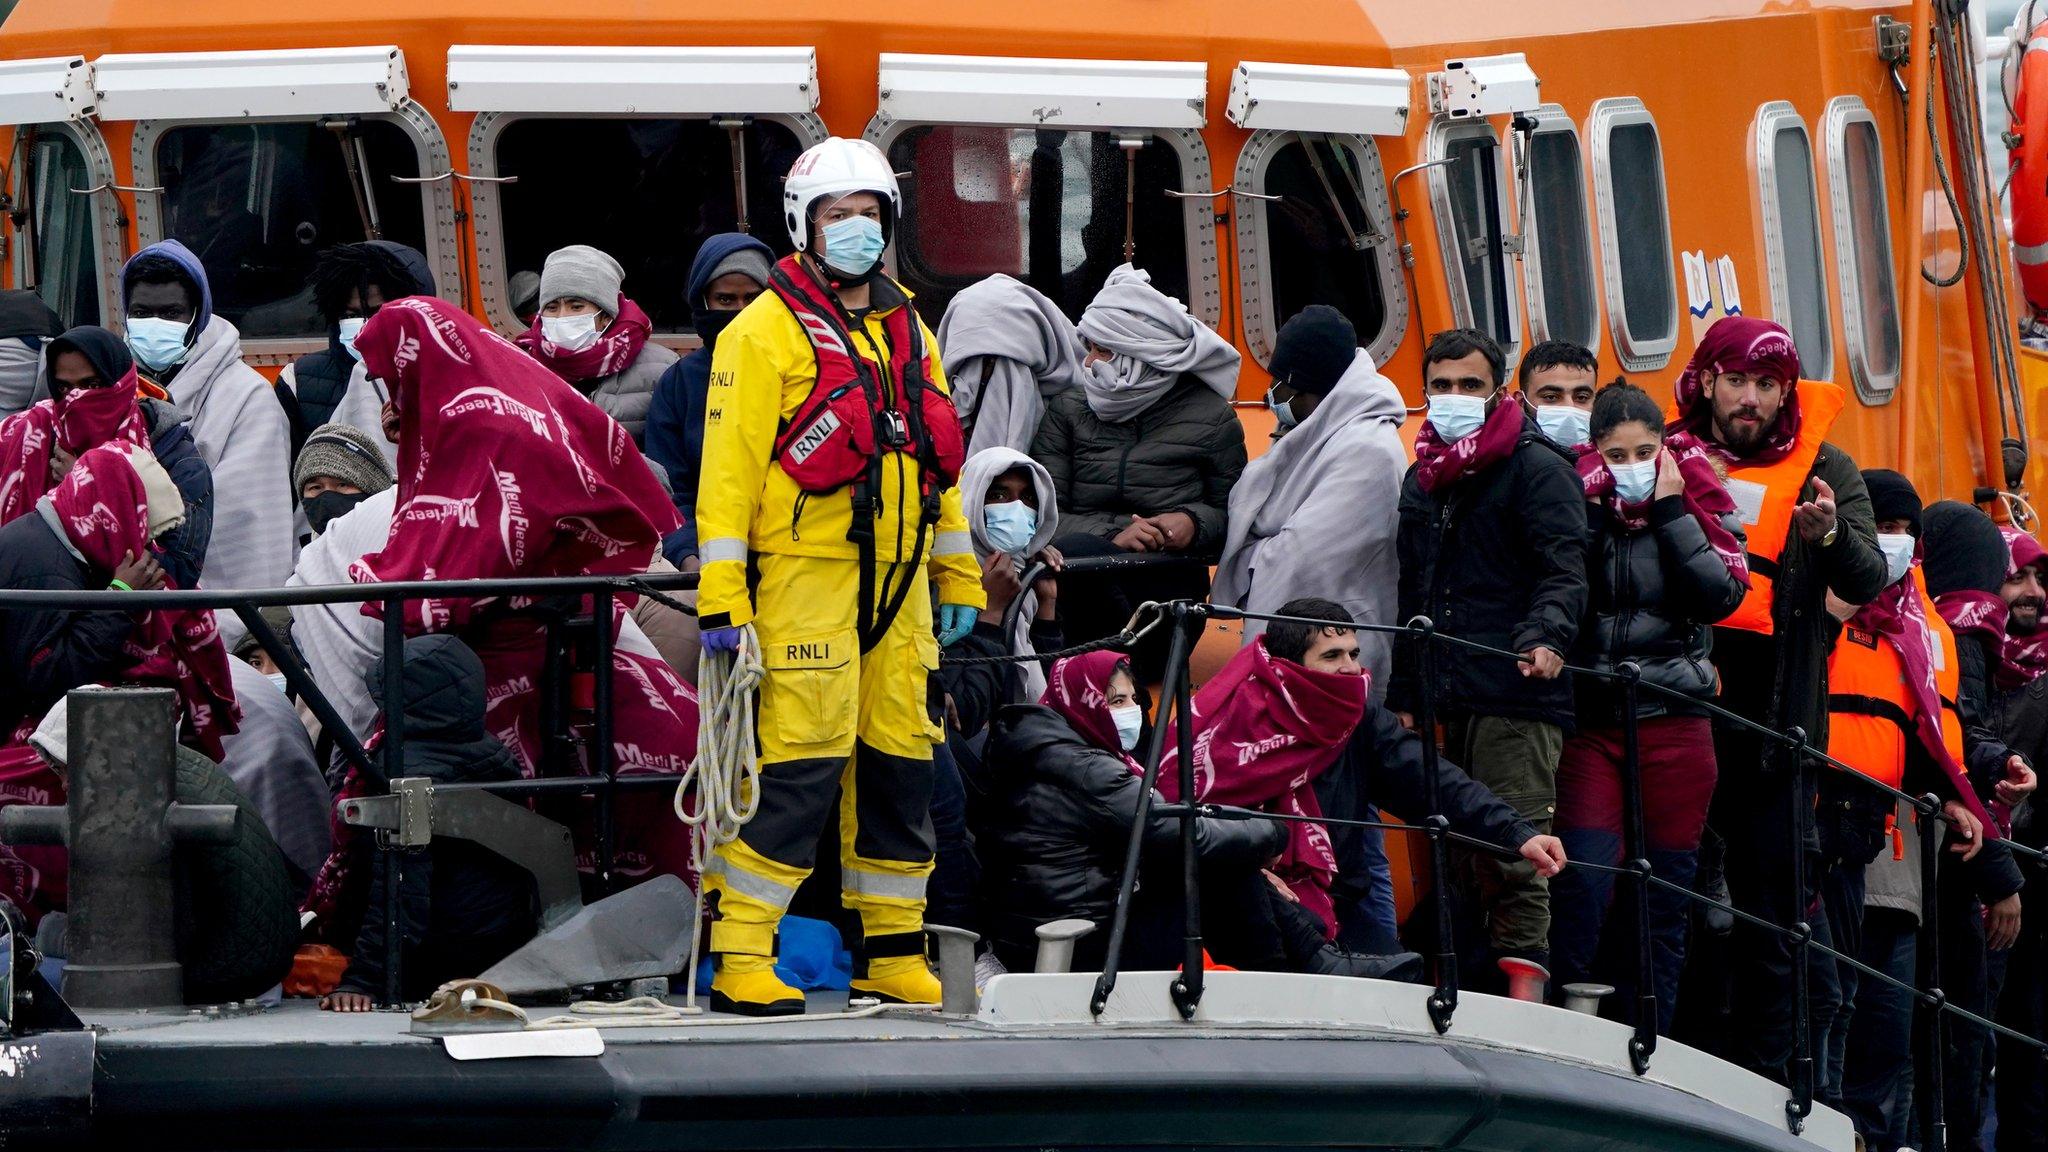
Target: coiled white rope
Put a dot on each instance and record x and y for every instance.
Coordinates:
(725, 778)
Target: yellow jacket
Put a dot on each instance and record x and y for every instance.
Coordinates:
(761, 373)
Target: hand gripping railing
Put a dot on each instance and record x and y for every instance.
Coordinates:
(1932, 1005)
(604, 781)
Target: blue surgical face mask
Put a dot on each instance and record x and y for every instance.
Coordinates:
(158, 344)
(1564, 425)
(1898, 554)
(278, 679)
(853, 245)
(1283, 411)
(1455, 417)
(1011, 525)
(352, 327)
(1129, 720)
(1634, 482)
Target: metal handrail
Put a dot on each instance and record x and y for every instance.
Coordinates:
(1931, 1002)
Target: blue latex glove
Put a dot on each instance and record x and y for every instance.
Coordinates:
(955, 622)
(721, 640)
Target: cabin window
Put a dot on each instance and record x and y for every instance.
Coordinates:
(647, 191)
(1558, 269)
(258, 202)
(1043, 205)
(1863, 248)
(1635, 233)
(59, 244)
(1794, 266)
(1315, 231)
(1470, 195)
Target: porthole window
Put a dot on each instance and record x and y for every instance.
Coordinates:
(1637, 261)
(1558, 265)
(57, 252)
(1863, 248)
(1470, 198)
(1315, 231)
(1046, 206)
(647, 191)
(1794, 268)
(258, 202)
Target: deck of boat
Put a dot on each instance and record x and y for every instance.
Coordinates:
(1271, 1061)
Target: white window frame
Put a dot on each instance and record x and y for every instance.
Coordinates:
(1843, 111)
(437, 199)
(1041, 92)
(109, 241)
(1553, 119)
(1254, 271)
(1772, 118)
(680, 82)
(1198, 212)
(494, 275)
(1637, 352)
(1443, 132)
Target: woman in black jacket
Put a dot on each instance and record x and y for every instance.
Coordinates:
(1664, 561)
(1060, 794)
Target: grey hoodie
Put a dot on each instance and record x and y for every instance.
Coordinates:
(980, 470)
(1317, 514)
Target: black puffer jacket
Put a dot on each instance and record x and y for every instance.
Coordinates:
(1498, 558)
(1058, 816)
(462, 907)
(1653, 596)
(1183, 454)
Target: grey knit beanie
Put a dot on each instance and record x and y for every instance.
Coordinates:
(345, 453)
(583, 273)
(750, 262)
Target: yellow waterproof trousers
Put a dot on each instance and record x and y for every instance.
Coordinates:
(833, 720)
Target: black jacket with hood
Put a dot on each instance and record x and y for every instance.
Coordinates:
(1654, 596)
(462, 907)
(1498, 558)
(1056, 815)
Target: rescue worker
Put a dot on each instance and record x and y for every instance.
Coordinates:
(826, 508)
(1807, 517)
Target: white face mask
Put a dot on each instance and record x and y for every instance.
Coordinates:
(1129, 719)
(1564, 425)
(349, 328)
(1634, 482)
(570, 333)
(1898, 555)
(1455, 417)
(278, 679)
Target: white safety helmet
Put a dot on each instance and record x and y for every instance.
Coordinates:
(835, 168)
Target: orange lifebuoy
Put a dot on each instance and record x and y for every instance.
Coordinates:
(2029, 155)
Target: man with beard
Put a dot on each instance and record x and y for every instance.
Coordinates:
(1808, 520)
(2019, 711)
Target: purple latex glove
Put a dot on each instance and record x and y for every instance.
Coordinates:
(721, 640)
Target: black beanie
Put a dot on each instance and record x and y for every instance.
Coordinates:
(1892, 497)
(1315, 347)
(1962, 550)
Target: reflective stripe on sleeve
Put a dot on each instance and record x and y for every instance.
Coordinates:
(723, 548)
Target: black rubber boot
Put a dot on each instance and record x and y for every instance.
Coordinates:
(1309, 949)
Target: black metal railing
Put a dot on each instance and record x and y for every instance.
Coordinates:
(561, 601)
(591, 599)
(1186, 619)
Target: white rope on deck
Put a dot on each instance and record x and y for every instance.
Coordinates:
(725, 778)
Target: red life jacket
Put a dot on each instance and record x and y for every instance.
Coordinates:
(854, 414)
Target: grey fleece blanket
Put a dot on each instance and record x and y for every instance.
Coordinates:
(1008, 351)
(1317, 514)
(1152, 340)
